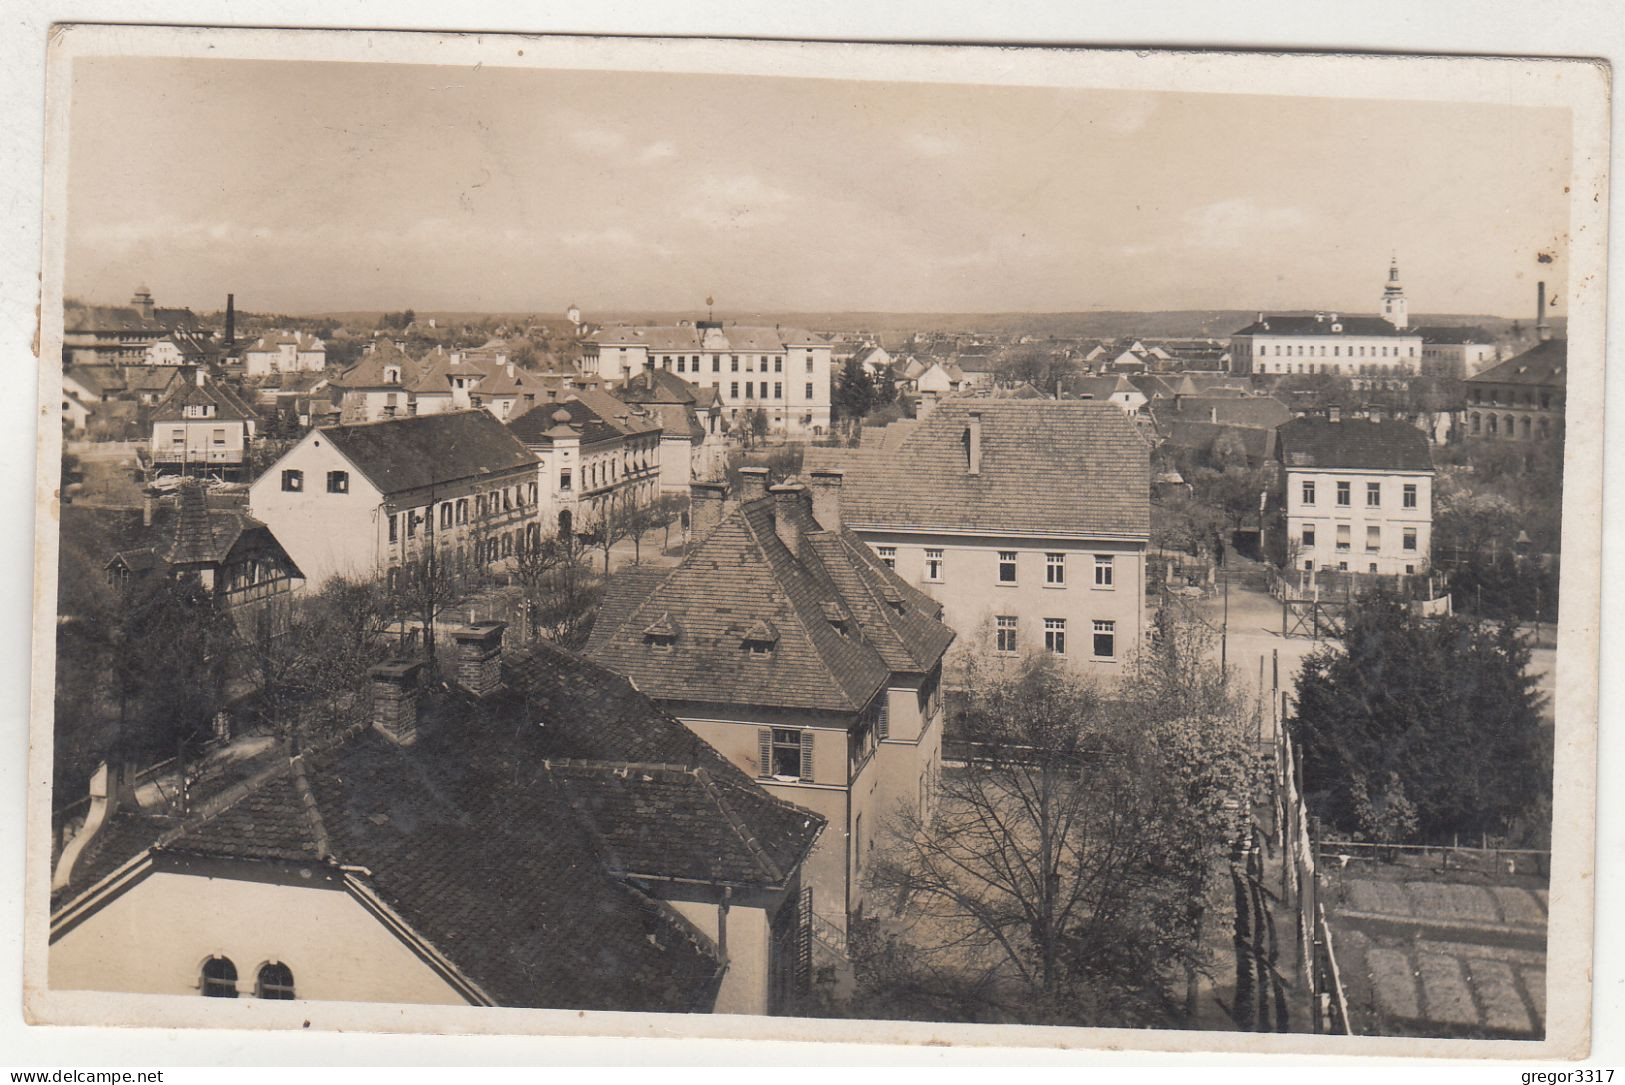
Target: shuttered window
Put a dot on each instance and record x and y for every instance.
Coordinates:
(883, 721)
(785, 753)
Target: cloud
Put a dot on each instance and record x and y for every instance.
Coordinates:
(656, 152)
(603, 141)
(932, 145)
(613, 237)
(1233, 223)
(739, 201)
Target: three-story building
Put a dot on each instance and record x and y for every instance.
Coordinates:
(1358, 494)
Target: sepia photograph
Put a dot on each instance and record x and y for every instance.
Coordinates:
(804, 540)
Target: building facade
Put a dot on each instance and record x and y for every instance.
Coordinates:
(1027, 520)
(1352, 346)
(1358, 495)
(284, 352)
(202, 428)
(489, 844)
(1522, 399)
(783, 643)
(784, 372)
(366, 499)
(595, 455)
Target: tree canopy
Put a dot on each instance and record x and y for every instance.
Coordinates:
(1422, 728)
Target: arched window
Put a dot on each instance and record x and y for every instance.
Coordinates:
(275, 981)
(1512, 429)
(219, 978)
(1477, 423)
(1495, 424)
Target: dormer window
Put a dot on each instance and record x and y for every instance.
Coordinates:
(839, 620)
(761, 638)
(662, 634)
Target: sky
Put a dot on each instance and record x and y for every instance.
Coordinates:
(310, 187)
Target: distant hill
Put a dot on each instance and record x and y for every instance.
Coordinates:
(893, 327)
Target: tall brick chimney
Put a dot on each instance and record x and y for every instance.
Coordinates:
(752, 483)
(826, 497)
(1543, 330)
(787, 502)
(479, 657)
(705, 504)
(231, 321)
(395, 701)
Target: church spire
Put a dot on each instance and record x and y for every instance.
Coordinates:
(1395, 310)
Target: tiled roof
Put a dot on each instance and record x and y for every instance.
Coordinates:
(1545, 363)
(655, 386)
(1355, 444)
(1443, 335)
(369, 371)
(1258, 442)
(734, 337)
(108, 319)
(887, 436)
(1263, 411)
(100, 379)
(626, 418)
(533, 426)
(504, 836)
(742, 580)
(1323, 324)
(402, 454)
(227, 406)
(1069, 468)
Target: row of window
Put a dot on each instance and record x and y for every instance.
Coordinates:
(1054, 566)
(1006, 637)
(177, 436)
(455, 513)
(1362, 350)
(1371, 369)
(219, 979)
(751, 390)
(1492, 425)
(1343, 567)
(1373, 494)
(1373, 537)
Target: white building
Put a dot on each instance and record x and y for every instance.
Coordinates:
(1352, 346)
(284, 352)
(363, 499)
(785, 372)
(1358, 494)
(1457, 353)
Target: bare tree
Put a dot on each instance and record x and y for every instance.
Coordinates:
(1062, 874)
(611, 524)
(557, 589)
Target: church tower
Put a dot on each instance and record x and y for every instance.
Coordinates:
(1395, 310)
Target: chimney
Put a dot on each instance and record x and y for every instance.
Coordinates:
(752, 483)
(973, 443)
(395, 701)
(788, 501)
(231, 320)
(1260, 316)
(479, 657)
(826, 497)
(149, 506)
(1334, 414)
(107, 789)
(705, 503)
(198, 375)
(1543, 330)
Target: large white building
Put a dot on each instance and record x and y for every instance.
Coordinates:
(365, 499)
(785, 372)
(1358, 494)
(1350, 346)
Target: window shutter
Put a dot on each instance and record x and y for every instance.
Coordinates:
(806, 755)
(804, 928)
(764, 750)
(883, 725)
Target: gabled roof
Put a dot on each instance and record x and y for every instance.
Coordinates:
(193, 533)
(656, 386)
(536, 425)
(1068, 468)
(108, 319)
(742, 583)
(185, 393)
(628, 419)
(1354, 444)
(402, 454)
(1323, 324)
(1543, 364)
(506, 837)
(369, 371)
(98, 379)
(1259, 443)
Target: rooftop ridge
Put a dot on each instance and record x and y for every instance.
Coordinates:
(740, 828)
